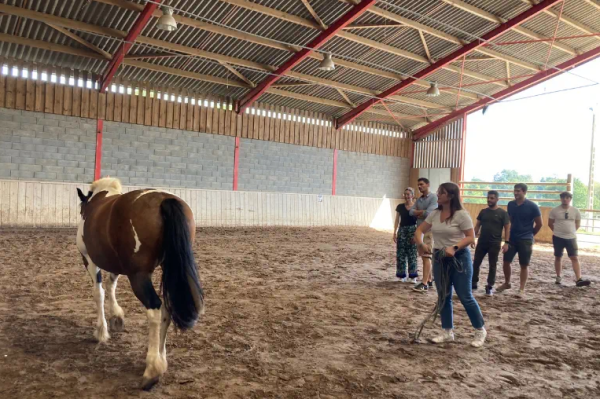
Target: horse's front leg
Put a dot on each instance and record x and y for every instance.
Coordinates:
(117, 317)
(101, 332)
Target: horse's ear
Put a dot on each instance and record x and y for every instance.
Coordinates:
(82, 197)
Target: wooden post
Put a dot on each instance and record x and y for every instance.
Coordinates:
(570, 183)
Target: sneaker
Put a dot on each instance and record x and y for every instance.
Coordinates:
(479, 338)
(558, 280)
(446, 336)
(504, 287)
(521, 294)
(403, 280)
(413, 280)
(430, 284)
(489, 290)
(582, 283)
(420, 288)
(473, 287)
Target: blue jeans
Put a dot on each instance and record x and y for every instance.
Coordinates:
(461, 281)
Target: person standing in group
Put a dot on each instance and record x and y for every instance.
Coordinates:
(406, 250)
(452, 230)
(564, 221)
(492, 221)
(426, 204)
(525, 223)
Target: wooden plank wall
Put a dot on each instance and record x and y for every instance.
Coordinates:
(51, 204)
(440, 149)
(154, 106)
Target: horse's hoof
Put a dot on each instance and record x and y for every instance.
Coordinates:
(148, 383)
(117, 324)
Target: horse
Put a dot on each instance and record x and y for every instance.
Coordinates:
(132, 234)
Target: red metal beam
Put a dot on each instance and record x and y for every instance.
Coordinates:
(327, 34)
(508, 25)
(537, 78)
(119, 55)
(98, 164)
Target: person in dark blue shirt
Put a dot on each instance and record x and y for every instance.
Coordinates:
(525, 223)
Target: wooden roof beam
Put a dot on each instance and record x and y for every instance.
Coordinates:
(314, 14)
(79, 40)
(519, 29)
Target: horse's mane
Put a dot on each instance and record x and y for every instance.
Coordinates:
(110, 184)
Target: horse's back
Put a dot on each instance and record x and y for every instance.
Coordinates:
(135, 230)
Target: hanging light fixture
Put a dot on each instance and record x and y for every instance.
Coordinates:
(433, 90)
(327, 63)
(167, 22)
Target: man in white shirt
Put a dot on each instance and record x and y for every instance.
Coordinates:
(564, 221)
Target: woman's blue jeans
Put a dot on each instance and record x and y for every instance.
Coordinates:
(461, 281)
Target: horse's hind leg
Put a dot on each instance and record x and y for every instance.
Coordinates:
(116, 320)
(101, 332)
(156, 362)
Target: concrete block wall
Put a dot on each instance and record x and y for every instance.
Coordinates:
(368, 175)
(159, 157)
(279, 167)
(38, 146)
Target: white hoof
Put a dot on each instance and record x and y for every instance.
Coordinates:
(101, 333)
(117, 324)
(155, 368)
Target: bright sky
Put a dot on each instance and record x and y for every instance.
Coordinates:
(548, 135)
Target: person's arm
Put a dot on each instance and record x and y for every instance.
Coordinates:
(551, 223)
(477, 227)
(413, 211)
(506, 238)
(465, 242)
(538, 223)
(432, 205)
(422, 229)
(577, 220)
(396, 222)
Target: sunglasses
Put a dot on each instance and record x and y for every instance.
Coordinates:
(566, 215)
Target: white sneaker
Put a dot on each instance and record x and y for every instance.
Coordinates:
(479, 338)
(521, 294)
(403, 280)
(446, 336)
(413, 280)
(558, 280)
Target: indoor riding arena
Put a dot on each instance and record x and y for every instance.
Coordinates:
(290, 129)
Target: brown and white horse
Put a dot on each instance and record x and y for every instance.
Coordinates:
(131, 234)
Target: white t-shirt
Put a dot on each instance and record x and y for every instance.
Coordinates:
(451, 233)
(565, 227)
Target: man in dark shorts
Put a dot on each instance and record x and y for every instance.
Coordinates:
(492, 221)
(564, 221)
(525, 223)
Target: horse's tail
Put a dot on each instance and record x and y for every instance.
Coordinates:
(182, 292)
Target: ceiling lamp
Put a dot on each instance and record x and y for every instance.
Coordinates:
(433, 90)
(327, 63)
(167, 22)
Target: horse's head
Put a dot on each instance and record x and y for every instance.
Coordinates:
(84, 199)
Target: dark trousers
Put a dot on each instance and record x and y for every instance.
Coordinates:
(492, 249)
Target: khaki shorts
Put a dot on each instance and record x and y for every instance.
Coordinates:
(427, 240)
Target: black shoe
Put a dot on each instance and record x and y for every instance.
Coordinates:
(420, 288)
(582, 283)
(430, 284)
(489, 290)
(474, 287)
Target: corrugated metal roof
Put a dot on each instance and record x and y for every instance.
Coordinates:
(436, 14)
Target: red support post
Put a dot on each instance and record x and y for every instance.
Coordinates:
(119, 55)
(436, 66)
(334, 179)
(327, 34)
(535, 79)
(236, 163)
(463, 149)
(98, 164)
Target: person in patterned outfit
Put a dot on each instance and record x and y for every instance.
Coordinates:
(406, 250)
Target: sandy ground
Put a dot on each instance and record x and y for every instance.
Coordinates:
(292, 313)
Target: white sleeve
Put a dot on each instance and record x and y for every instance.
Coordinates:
(577, 214)
(429, 218)
(552, 214)
(465, 222)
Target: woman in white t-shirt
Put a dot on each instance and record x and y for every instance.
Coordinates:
(452, 230)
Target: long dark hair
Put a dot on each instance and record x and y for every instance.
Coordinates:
(453, 191)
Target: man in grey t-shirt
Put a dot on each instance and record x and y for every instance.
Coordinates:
(564, 221)
(426, 204)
